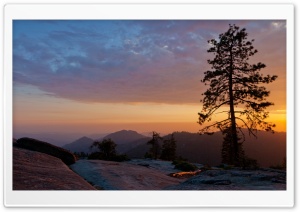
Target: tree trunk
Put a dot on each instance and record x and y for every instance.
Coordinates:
(234, 138)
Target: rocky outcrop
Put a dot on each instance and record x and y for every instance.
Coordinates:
(123, 176)
(263, 179)
(38, 171)
(44, 147)
(159, 175)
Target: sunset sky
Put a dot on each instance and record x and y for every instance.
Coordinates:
(104, 76)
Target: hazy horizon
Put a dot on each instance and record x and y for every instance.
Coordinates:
(64, 137)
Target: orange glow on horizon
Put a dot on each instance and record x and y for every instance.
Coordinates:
(48, 114)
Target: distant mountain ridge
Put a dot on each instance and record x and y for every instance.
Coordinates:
(268, 149)
(125, 140)
(80, 145)
(124, 136)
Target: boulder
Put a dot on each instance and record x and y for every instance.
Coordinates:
(40, 146)
(38, 171)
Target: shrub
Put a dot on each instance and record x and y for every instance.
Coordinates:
(185, 166)
(148, 155)
(225, 166)
(249, 163)
(107, 147)
(120, 158)
(179, 160)
(96, 156)
(281, 166)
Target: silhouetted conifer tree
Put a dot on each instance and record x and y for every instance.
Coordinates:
(169, 149)
(155, 149)
(234, 83)
(227, 149)
(107, 147)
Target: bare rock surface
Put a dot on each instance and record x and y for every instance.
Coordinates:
(38, 171)
(263, 179)
(142, 174)
(132, 175)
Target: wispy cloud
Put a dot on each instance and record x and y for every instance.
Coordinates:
(128, 61)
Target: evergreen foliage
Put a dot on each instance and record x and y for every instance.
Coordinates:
(227, 148)
(154, 151)
(107, 151)
(169, 149)
(185, 166)
(234, 89)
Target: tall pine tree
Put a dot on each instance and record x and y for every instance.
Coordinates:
(169, 149)
(235, 83)
(154, 151)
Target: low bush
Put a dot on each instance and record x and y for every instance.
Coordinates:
(185, 166)
(148, 155)
(281, 166)
(96, 156)
(249, 163)
(179, 160)
(225, 166)
(120, 158)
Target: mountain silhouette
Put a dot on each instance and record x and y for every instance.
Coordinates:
(80, 145)
(126, 140)
(123, 148)
(124, 136)
(268, 149)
